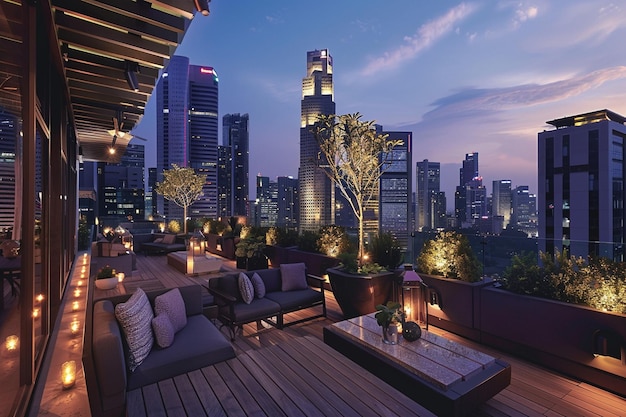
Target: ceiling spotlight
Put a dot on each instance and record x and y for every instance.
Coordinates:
(202, 6)
(112, 151)
(131, 71)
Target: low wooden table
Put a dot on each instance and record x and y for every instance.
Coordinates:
(446, 377)
(203, 264)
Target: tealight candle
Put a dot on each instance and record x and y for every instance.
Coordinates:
(80, 283)
(35, 312)
(39, 298)
(83, 269)
(77, 292)
(11, 343)
(120, 277)
(75, 326)
(75, 306)
(68, 374)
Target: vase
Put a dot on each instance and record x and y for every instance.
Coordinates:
(106, 283)
(390, 334)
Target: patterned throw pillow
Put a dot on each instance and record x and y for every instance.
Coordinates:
(163, 330)
(259, 285)
(135, 317)
(172, 304)
(293, 277)
(245, 288)
(169, 239)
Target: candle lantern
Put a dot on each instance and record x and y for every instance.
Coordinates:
(414, 297)
(68, 374)
(120, 276)
(196, 248)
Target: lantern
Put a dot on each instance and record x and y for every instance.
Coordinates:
(414, 296)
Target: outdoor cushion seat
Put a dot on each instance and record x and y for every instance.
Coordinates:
(295, 300)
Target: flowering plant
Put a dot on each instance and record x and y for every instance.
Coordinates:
(106, 272)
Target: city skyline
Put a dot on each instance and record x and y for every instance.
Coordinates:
(463, 76)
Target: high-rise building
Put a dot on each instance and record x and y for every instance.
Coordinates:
(524, 211)
(395, 190)
(467, 173)
(501, 201)
(9, 147)
(224, 182)
(266, 202)
(581, 185)
(316, 189)
(187, 123)
(288, 202)
(236, 139)
(431, 204)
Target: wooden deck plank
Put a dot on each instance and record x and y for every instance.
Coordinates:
(153, 402)
(222, 393)
(188, 396)
(134, 403)
(171, 400)
(245, 399)
(209, 401)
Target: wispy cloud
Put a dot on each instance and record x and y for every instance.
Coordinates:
(425, 37)
(473, 100)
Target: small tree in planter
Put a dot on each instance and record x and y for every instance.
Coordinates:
(450, 255)
(354, 158)
(182, 186)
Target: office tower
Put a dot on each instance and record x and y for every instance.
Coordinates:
(151, 209)
(467, 173)
(316, 189)
(394, 212)
(121, 186)
(501, 201)
(187, 122)
(475, 201)
(581, 185)
(288, 202)
(524, 211)
(9, 147)
(430, 214)
(267, 201)
(236, 138)
(88, 191)
(224, 181)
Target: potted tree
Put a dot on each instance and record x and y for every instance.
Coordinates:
(250, 254)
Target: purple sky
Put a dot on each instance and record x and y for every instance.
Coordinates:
(464, 77)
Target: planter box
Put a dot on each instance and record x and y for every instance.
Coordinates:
(460, 305)
(316, 263)
(555, 334)
(358, 295)
(220, 245)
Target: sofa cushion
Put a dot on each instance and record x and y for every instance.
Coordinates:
(169, 239)
(135, 317)
(172, 305)
(245, 288)
(294, 300)
(260, 308)
(259, 286)
(270, 277)
(163, 330)
(293, 276)
(198, 345)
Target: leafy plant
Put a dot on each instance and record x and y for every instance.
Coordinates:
(182, 186)
(389, 313)
(449, 254)
(106, 272)
(350, 263)
(173, 226)
(332, 240)
(250, 247)
(386, 251)
(307, 241)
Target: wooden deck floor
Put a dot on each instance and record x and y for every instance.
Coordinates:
(291, 372)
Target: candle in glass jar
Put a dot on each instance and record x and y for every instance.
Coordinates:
(68, 374)
(11, 343)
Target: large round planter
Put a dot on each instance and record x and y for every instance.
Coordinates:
(360, 294)
(106, 283)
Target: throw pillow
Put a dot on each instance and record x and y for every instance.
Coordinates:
(158, 240)
(172, 304)
(135, 317)
(293, 277)
(169, 239)
(163, 330)
(245, 288)
(259, 285)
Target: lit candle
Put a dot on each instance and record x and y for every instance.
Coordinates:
(35, 312)
(120, 277)
(82, 275)
(75, 306)
(80, 283)
(75, 326)
(39, 298)
(68, 374)
(77, 292)
(83, 269)
(11, 343)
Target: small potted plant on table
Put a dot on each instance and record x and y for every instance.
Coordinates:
(389, 316)
(106, 278)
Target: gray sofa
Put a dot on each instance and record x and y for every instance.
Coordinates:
(197, 345)
(158, 243)
(234, 312)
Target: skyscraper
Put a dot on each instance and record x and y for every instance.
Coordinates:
(394, 212)
(431, 205)
(581, 185)
(266, 202)
(10, 144)
(236, 138)
(467, 173)
(501, 205)
(316, 189)
(524, 213)
(288, 202)
(187, 122)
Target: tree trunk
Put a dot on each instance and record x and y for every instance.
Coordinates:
(185, 220)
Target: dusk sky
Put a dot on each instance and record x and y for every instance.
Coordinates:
(464, 77)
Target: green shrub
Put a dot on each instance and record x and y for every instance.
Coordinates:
(307, 241)
(173, 226)
(385, 251)
(332, 240)
(449, 254)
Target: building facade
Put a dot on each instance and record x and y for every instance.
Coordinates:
(288, 202)
(187, 130)
(234, 195)
(581, 185)
(316, 189)
(467, 172)
(524, 211)
(501, 201)
(430, 200)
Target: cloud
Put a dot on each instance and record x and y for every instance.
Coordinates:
(426, 36)
(472, 100)
(522, 15)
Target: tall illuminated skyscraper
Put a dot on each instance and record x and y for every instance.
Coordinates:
(187, 98)
(316, 189)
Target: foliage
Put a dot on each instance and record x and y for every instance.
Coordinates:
(349, 263)
(599, 282)
(307, 241)
(354, 157)
(450, 255)
(332, 240)
(271, 237)
(385, 251)
(84, 234)
(182, 186)
(173, 226)
(245, 232)
(389, 313)
(106, 272)
(250, 247)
